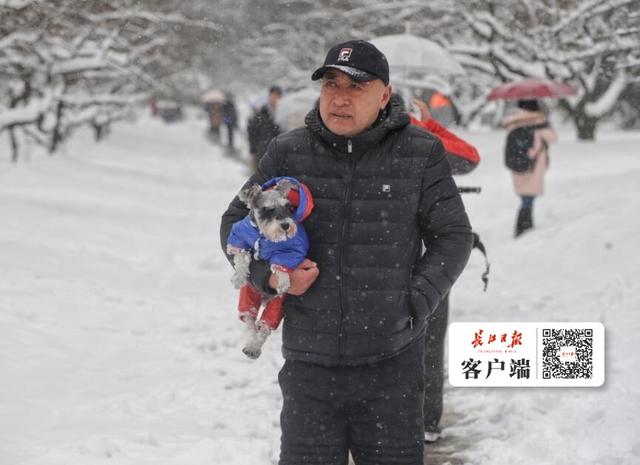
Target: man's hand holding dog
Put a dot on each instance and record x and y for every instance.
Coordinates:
(301, 278)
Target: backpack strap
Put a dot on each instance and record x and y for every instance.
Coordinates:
(477, 244)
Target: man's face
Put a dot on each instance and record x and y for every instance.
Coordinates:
(348, 107)
(273, 99)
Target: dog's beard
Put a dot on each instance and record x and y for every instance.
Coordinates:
(273, 230)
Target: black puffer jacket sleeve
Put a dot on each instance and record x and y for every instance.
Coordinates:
(267, 169)
(446, 233)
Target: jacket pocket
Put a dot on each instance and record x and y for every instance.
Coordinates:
(419, 304)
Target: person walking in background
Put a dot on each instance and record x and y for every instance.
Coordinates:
(529, 136)
(214, 111)
(388, 238)
(153, 104)
(229, 118)
(442, 109)
(462, 156)
(262, 127)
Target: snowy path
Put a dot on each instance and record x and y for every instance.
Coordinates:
(119, 342)
(580, 264)
(122, 341)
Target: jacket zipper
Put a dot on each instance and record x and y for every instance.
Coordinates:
(341, 255)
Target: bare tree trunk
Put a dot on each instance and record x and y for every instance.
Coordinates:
(100, 130)
(56, 135)
(586, 126)
(13, 103)
(14, 144)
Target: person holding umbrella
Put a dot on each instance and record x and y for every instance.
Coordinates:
(530, 133)
(526, 149)
(212, 102)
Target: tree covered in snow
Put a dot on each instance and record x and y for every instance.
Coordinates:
(65, 63)
(594, 45)
(280, 41)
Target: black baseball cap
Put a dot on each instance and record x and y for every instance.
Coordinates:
(358, 59)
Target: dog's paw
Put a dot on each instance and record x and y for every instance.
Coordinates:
(238, 280)
(283, 278)
(257, 338)
(282, 289)
(252, 352)
(284, 283)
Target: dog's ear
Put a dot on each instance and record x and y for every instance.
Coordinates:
(247, 195)
(284, 186)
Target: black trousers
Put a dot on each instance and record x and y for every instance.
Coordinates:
(230, 135)
(434, 366)
(374, 411)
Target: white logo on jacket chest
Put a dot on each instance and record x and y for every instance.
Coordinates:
(386, 188)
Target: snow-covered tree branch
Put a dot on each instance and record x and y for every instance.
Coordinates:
(65, 63)
(594, 45)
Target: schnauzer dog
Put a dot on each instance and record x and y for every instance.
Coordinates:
(272, 231)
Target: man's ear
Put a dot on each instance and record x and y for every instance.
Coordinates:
(386, 96)
(248, 194)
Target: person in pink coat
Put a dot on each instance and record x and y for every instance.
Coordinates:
(530, 184)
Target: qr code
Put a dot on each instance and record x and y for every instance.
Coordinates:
(567, 353)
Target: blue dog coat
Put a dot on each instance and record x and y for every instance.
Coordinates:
(288, 253)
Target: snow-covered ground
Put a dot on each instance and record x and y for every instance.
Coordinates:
(119, 341)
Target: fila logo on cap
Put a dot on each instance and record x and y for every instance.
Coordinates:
(344, 54)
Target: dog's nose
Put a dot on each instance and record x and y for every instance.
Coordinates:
(285, 226)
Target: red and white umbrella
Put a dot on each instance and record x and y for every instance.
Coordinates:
(532, 88)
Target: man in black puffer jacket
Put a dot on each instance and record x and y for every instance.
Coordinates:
(353, 337)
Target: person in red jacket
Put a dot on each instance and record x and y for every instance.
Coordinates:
(463, 157)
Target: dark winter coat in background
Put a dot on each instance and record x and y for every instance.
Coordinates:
(261, 128)
(229, 114)
(378, 197)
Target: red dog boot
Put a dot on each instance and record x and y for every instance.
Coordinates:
(272, 314)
